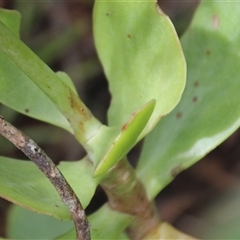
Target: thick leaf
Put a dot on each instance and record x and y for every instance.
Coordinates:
(70, 235)
(105, 224)
(23, 97)
(21, 182)
(41, 108)
(209, 110)
(25, 63)
(141, 56)
(18, 92)
(25, 224)
(110, 144)
(108, 224)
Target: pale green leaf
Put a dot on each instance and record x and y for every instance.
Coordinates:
(25, 224)
(22, 95)
(209, 110)
(110, 144)
(26, 64)
(18, 92)
(142, 58)
(22, 183)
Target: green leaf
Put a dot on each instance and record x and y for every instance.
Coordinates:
(108, 224)
(111, 144)
(70, 235)
(25, 224)
(22, 183)
(23, 97)
(105, 224)
(209, 110)
(25, 63)
(11, 19)
(142, 58)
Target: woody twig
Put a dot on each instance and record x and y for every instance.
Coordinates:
(46, 165)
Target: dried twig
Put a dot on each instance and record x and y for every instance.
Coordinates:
(46, 165)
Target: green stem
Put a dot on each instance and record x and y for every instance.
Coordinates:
(127, 194)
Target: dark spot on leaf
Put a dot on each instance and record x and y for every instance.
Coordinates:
(179, 115)
(195, 99)
(175, 171)
(208, 52)
(124, 126)
(108, 13)
(56, 205)
(26, 110)
(196, 84)
(129, 36)
(82, 110)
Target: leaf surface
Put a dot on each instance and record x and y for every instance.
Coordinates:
(209, 110)
(25, 224)
(110, 144)
(17, 59)
(141, 56)
(22, 183)
(18, 92)
(27, 98)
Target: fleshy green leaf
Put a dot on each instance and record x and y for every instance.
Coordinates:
(19, 92)
(105, 224)
(22, 183)
(27, 98)
(108, 224)
(25, 224)
(141, 56)
(112, 143)
(19, 60)
(209, 110)
(70, 235)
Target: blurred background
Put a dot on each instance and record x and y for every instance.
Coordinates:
(203, 200)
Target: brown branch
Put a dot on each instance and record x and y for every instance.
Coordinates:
(46, 165)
